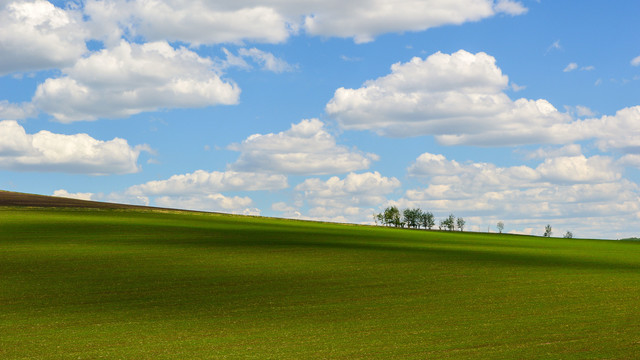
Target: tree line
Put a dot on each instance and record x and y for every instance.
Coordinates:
(416, 219)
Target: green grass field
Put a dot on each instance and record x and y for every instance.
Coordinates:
(136, 284)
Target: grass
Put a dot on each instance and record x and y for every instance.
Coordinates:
(137, 284)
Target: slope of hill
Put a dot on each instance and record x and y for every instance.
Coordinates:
(9, 198)
(84, 283)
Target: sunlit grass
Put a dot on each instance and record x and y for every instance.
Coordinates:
(150, 285)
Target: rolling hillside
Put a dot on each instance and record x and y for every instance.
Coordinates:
(134, 283)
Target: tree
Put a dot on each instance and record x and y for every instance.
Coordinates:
(412, 217)
(568, 235)
(460, 222)
(427, 220)
(449, 223)
(392, 216)
(547, 231)
(378, 218)
(500, 226)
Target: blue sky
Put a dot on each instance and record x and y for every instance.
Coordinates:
(525, 112)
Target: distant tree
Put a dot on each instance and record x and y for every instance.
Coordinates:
(460, 222)
(392, 216)
(378, 218)
(568, 235)
(547, 231)
(412, 217)
(449, 223)
(427, 220)
(500, 226)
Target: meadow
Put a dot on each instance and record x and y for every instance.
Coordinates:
(143, 284)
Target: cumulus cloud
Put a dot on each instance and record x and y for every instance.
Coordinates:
(210, 202)
(357, 189)
(364, 20)
(349, 199)
(635, 61)
(203, 182)
(620, 131)
(80, 196)
(273, 21)
(79, 153)
(36, 35)
(132, 78)
(9, 111)
(459, 98)
(567, 150)
(195, 22)
(561, 169)
(571, 188)
(305, 148)
(579, 169)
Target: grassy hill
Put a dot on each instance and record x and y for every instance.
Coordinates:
(89, 283)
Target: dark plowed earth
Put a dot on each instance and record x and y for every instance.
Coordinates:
(8, 198)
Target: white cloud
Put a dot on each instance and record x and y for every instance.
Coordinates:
(459, 98)
(80, 196)
(36, 35)
(572, 66)
(561, 169)
(583, 194)
(510, 7)
(195, 22)
(79, 153)
(584, 111)
(132, 78)
(273, 21)
(9, 111)
(266, 60)
(567, 150)
(515, 87)
(635, 61)
(577, 169)
(353, 198)
(203, 182)
(364, 20)
(620, 131)
(306, 148)
(632, 160)
(355, 189)
(555, 46)
(210, 202)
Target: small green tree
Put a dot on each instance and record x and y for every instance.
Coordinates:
(392, 216)
(547, 231)
(568, 235)
(412, 217)
(427, 220)
(449, 223)
(500, 226)
(460, 222)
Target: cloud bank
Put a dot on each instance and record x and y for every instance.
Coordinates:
(80, 153)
